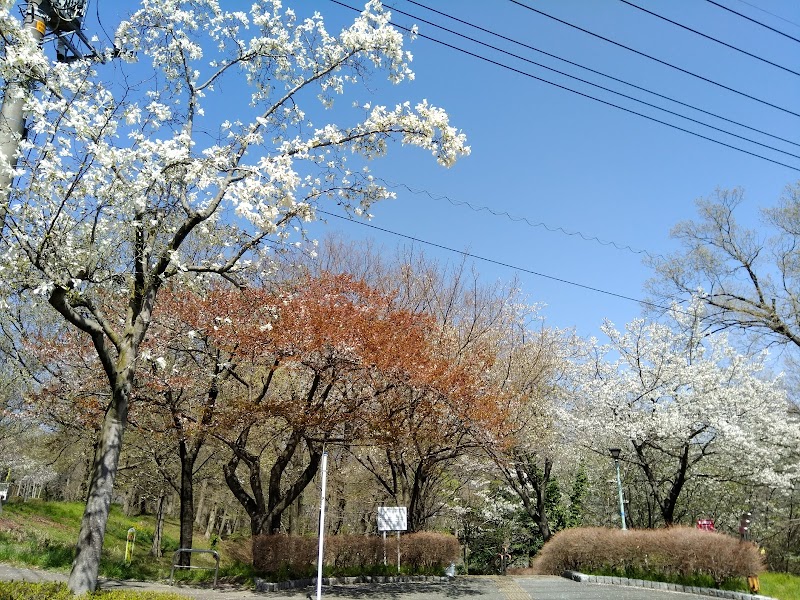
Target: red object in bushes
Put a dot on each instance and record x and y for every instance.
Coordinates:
(706, 524)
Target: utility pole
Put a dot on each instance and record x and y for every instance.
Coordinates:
(12, 121)
(615, 454)
(62, 18)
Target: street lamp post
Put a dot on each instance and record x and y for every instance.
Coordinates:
(615, 452)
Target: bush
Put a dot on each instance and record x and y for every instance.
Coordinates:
(281, 552)
(428, 552)
(20, 590)
(666, 554)
(23, 590)
(284, 556)
(353, 552)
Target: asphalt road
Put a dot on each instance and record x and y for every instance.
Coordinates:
(558, 588)
(468, 588)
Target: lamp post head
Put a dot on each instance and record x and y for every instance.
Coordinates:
(615, 452)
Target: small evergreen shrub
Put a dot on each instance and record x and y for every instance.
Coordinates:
(662, 554)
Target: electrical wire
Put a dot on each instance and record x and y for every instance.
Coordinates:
(708, 37)
(730, 10)
(658, 60)
(497, 262)
(627, 96)
(516, 219)
(769, 13)
(596, 99)
(596, 72)
(100, 23)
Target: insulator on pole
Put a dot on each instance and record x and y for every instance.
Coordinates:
(68, 14)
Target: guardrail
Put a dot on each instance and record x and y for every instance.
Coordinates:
(192, 550)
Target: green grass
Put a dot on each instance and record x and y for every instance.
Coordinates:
(780, 585)
(738, 584)
(19, 590)
(43, 534)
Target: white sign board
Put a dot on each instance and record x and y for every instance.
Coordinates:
(392, 518)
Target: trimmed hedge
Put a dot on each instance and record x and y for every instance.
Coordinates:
(423, 551)
(426, 551)
(662, 553)
(23, 590)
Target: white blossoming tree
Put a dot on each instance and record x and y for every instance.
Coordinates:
(188, 160)
(684, 407)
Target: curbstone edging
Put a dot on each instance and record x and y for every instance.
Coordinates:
(262, 585)
(660, 585)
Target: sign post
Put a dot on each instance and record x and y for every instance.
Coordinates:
(392, 518)
(129, 544)
(3, 493)
(320, 550)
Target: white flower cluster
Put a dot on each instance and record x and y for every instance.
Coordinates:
(671, 389)
(134, 173)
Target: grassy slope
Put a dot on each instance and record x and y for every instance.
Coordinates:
(43, 534)
(780, 585)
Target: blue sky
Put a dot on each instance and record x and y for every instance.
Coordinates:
(565, 161)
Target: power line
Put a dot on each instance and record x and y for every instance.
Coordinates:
(596, 72)
(517, 219)
(496, 262)
(658, 60)
(589, 96)
(527, 60)
(708, 37)
(769, 13)
(741, 137)
(778, 31)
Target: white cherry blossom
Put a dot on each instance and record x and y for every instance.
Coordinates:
(192, 157)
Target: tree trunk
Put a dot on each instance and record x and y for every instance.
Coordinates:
(265, 511)
(155, 549)
(212, 518)
(201, 504)
(224, 523)
(416, 509)
(83, 577)
(187, 502)
(542, 522)
(126, 503)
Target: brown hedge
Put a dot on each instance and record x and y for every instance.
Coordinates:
(273, 553)
(665, 553)
(426, 550)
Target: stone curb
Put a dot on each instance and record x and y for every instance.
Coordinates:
(268, 586)
(660, 585)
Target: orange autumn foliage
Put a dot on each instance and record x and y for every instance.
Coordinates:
(354, 338)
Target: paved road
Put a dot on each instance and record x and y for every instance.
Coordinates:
(467, 588)
(558, 588)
